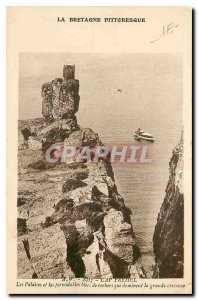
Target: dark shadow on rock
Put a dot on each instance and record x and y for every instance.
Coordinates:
(75, 261)
(26, 133)
(34, 275)
(136, 253)
(26, 246)
(20, 201)
(77, 165)
(21, 226)
(72, 184)
(119, 268)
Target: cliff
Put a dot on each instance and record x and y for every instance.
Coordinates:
(72, 222)
(168, 239)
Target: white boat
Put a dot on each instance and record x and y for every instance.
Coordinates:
(145, 136)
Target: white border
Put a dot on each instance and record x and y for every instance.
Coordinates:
(3, 4)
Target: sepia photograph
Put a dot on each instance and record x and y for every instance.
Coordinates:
(100, 164)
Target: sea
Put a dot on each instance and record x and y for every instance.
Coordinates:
(142, 185)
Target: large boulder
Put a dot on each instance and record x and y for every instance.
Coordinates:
(60, 96)
(34, 143)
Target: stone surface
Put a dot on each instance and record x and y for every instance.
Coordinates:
(116, 236)
(69, 71)
(168, 239)
(60, 97)
(47, 93)
(70, 218)
(72, 222)
(34, 143)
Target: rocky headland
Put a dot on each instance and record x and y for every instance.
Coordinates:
(72, 221)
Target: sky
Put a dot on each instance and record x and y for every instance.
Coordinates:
(151, 86)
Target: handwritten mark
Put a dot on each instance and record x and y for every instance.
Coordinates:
(166, 30)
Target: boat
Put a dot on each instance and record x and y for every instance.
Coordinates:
(145, 136)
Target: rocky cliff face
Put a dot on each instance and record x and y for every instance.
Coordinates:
(168, 240)
(72, 222)
(60, 96)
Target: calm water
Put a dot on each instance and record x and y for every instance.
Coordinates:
(142, 185)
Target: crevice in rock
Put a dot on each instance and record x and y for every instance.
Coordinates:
(75, 261)
(21, 226)
(119, 268)
(26, 246)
